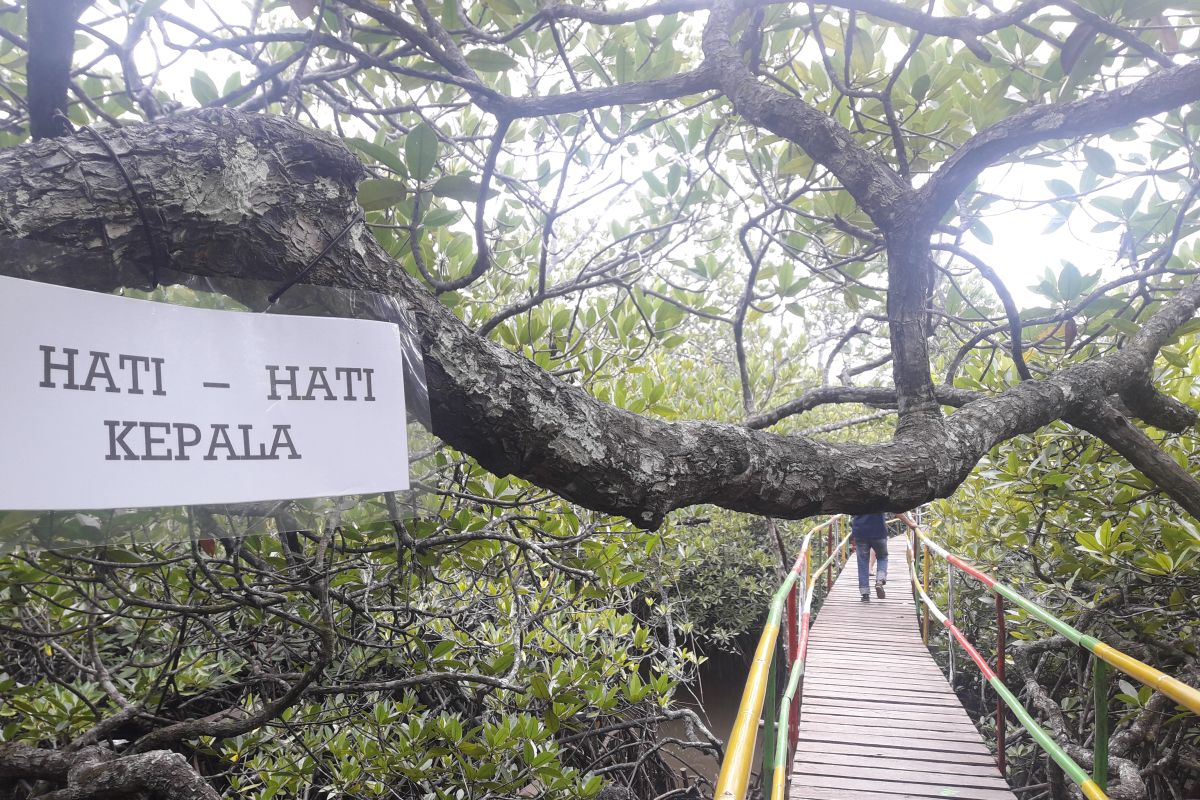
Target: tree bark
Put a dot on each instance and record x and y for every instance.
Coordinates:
(96, 773)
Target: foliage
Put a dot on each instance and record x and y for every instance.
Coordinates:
(478, 648)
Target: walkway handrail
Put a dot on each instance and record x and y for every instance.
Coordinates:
(739, 753)
(789, 707)
(1094, 786)
(1090, 788)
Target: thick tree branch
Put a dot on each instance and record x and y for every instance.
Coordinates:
(878, 189)
(1105, 423)
(882, 193)
(97, 773)
(235, 194)
(1163, 91)
(1152, 406)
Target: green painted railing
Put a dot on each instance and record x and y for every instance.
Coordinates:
(1095, 785)
(779, 729)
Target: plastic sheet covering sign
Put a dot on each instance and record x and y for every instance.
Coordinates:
(111, 402)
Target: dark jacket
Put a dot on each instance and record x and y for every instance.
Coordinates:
(868, 526)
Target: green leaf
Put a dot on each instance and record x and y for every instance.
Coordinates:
(379, 193)
(630, 578)
(1143, 9)
(203, 88)
(1070, 282)
(593, 786)
(505, 6)
(441, 217)
(1089, 62)
(1125, 326)
(1060, 188)
(623, 69)
(149, 7)
(486, 60)
(982, 232)
(421, 151)
(460, 187)
(796, 166)
(1083, 35)
(13, 521)
(385, 155)
(1100, 161)
(1130, 204)
(920, 87)
(654, 183)
(303, 8)
(1109, 204)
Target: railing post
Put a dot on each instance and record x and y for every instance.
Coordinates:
(1001, 653)
(770, 720)
(1100, 751)
(793, 653)
(924, 586)
(950, 616)
(829, 556)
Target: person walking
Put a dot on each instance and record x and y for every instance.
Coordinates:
(870, 534)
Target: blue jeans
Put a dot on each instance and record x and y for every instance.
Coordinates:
(863, 548)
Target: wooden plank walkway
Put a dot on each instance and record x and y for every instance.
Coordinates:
(879, 721)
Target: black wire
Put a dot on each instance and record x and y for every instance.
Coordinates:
(299, 276)
(157, 254)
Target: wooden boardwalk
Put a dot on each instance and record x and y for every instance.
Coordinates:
(879, 721)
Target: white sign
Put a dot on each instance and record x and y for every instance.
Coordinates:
(110, 402)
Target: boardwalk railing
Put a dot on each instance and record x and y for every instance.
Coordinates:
(796, 593)
(780, 730)
(1095, 785)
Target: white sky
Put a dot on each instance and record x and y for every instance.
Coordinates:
(1021, 250)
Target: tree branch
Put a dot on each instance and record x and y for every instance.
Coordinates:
(1152, 406)
(249, 212)
(51, 48)
(1163, 91)
(1105, 423)
(96, 773)
(874, 185)
(1010, 307)
(878, 397)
